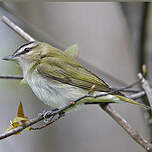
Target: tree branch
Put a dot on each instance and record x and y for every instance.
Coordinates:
(146, 87)
(40, 118)
(17, 29)
(122, 122)
(21, 128)
(11, 77)
(127, 127)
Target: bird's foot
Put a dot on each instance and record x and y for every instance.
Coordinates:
(50, 114)
(62, 114)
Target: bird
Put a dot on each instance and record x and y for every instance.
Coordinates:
(57, 78)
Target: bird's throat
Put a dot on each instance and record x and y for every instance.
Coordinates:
(27, 67)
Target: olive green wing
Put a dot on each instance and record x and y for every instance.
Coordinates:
(69, 71)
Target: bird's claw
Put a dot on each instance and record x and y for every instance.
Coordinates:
(48, 115)
(48, 120)
(62, 114)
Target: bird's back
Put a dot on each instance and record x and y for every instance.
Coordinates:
(61, 67)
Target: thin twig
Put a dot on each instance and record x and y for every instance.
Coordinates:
(137, 95)
(17, 29)
(20, 128)
(139, 139)
(11, 77)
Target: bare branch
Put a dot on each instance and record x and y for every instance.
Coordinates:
(20, 128)
(137, 95)
(11, 77)
(17, 29)
(146, 87)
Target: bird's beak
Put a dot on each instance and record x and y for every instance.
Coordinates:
(9, 58)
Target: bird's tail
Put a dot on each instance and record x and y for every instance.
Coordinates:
(123, 98)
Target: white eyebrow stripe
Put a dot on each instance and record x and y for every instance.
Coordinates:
(31, 45)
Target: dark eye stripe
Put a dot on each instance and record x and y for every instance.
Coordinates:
(23, 52)
(23, 46)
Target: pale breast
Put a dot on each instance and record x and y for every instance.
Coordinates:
(52, 92)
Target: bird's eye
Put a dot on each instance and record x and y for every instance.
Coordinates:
(27, 49)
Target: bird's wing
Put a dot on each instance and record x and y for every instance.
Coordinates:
(72, 73)
(69, 71)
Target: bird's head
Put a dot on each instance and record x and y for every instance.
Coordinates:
(32, 53)
(28, 52)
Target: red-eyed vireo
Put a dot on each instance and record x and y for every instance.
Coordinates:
(57, 78)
